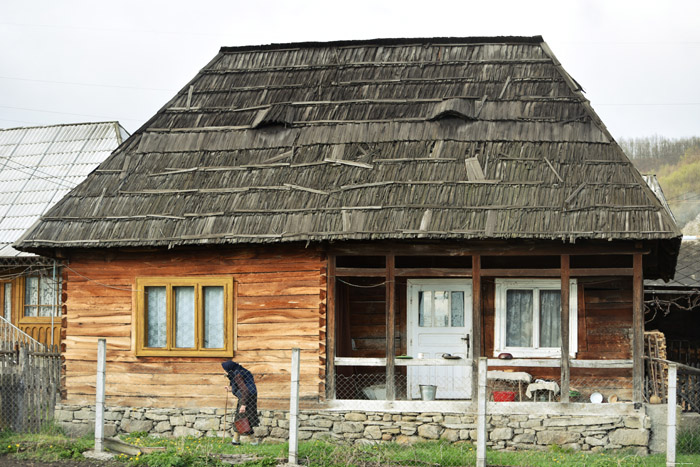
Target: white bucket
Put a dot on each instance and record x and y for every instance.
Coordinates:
(427, 392)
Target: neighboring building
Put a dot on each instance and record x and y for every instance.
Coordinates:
(38, 166)
(362, 201)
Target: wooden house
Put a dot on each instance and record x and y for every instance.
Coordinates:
(38, 166)
(367, 202)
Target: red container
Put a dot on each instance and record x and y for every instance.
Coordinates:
(503, 396)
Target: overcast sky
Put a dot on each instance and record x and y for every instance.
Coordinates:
(75, 61)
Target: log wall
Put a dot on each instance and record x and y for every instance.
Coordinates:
(280, 305)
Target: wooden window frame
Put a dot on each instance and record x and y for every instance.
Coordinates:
(21, 294)
(502, 286)
(230, 292)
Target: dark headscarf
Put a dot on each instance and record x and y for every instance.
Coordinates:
(232, 369)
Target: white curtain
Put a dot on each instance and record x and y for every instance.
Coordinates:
(213, 317)
(8, 302)
(184, 317)
(550, 318)
(519, 318)
(47, 296)
(155, 303)
(457, 309)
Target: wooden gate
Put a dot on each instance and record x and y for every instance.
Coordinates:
(29, 385)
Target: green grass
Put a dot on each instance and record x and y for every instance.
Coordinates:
(51, 445)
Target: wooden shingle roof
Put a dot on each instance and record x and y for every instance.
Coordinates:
(439, 138)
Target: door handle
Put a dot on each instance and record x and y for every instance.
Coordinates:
(466, 339)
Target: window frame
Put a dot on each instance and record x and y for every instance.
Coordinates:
(198, 282)
(22, 305)
(502, 287)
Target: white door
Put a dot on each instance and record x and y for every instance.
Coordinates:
(439, 322)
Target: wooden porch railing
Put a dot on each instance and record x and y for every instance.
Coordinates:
(12, 337)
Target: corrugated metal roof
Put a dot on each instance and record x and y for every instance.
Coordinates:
(40, 165)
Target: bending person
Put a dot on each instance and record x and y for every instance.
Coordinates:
(242, 384)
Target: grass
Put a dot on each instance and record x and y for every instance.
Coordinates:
(52, 445)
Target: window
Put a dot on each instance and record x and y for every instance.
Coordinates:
(528, 318)
(6, 300)
(40, 297)
(185, 316)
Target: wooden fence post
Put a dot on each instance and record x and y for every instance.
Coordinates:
(481, 432)
(100, 394)
(20, 422)
(294, 409)
(671, 416)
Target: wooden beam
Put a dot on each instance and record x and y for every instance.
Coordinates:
(476, 321)
(360, 272)
(555, 272)
(433, 272)
(330, 328)
(486, 248)
(637, 328)
(565, 369)
(390, 325)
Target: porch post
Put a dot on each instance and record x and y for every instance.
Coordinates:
(637, 328)
(330, 328)
(565, 369)
(476, 321)
(390, 325)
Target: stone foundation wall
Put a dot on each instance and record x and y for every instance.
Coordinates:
(587, 433)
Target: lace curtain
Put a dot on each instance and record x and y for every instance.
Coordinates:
(155, 303)
(213, 317)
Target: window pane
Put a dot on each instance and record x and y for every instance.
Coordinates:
(550, 318)
(184, 317)
(31, 290)
(457, 309)
(425, 309)
(213, 317)
(155, 313)
(442, 309)
(7, 304)
(519, 318)
(47, 291)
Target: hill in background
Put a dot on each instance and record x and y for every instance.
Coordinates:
(676, 163)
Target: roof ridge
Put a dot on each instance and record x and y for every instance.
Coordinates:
(388, 41)
(106, 122)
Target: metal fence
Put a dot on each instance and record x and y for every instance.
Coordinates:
(29, 386)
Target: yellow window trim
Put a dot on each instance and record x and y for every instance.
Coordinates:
(197, 282)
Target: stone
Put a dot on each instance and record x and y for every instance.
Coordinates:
(450, 435)
(464, 434)
(557, 437)
(63, 415)
(373, 432)
(322, 423)
(355, 417)
(429, 431)
(581, 421)
(84, 414)
(262, 431)
(409, 430)
(628, 437)
(156, 416)
(109, 430)
(207, 424)
(177, 421)
(283, 424)
(131, 426)
(634, 422)
(403, 439)
(162, 427)
(524, 438)
(77, 430)
(349, 427)
(183, 431)
(280, 433)
(303, 435)
(501, 434)
(595, 441)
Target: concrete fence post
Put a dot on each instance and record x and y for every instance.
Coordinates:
(100, 395)
(481, 433)
(671, 416)
(294, 410)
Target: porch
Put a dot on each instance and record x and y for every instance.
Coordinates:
(405, 316)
